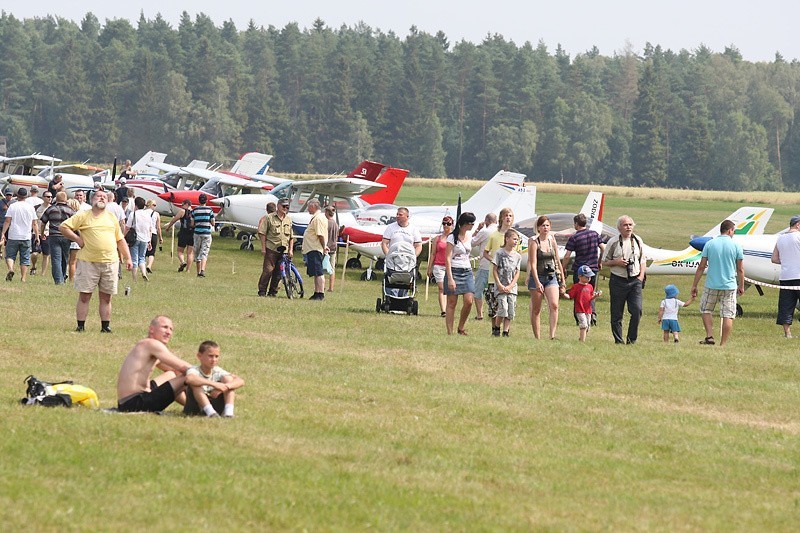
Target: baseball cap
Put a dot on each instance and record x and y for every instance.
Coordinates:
(8, 192)
(283, 201)
(22, 191)
(584, 270)
(794, 220)
(122, 180)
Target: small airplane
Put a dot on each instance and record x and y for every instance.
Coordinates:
(245, 210)
(75, 176)
(24, 165)
(505, 189)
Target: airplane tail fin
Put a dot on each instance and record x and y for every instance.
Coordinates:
(367, 170)
(149, 157)
(748, 220)
(252, 164)
(494, 193)
(593, 209)
(393, 178)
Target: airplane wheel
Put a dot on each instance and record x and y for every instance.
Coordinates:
(367, 275)
(739, 311)
(226, 232)
(354, 262)
(243, 236)
(246, 246)
(378, 306)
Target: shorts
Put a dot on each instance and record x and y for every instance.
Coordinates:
(154, 401)
(438, 273)
(465, 282)
(725, 298)
(548, 280)
(584, 320)
(90, 276)
(670, 325)
(36, 246)
(23, 247)
(787, 301)
(193, 408)
(202, 245)
(314, 264)
(153, 244)
(481, 282)
(185, 238)
(45, 246)
(506, 305)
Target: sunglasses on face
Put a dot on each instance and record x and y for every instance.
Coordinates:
(447, 223)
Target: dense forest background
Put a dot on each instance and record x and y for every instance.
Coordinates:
(321, 99)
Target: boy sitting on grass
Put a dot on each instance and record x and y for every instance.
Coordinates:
(211, 389)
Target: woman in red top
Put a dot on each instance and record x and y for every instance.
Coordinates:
(436, 267)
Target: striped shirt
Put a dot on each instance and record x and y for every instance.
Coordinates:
(585, 244)
(203, 217)
(55, 215)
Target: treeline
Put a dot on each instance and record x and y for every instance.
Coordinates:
(323, 98)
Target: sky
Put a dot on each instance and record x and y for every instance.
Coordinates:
(758, 29)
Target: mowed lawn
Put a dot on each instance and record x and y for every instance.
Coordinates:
(354, 420)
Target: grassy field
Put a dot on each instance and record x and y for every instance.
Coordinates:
(353, 420)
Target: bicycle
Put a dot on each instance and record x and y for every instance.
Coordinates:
(292, 280)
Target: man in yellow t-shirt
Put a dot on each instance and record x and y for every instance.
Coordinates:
(98, 234)
(315, 246)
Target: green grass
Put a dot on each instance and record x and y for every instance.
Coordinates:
(352, 420)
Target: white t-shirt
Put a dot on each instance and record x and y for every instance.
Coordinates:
(461, 251)
(671, 307)
(155, 219)
(479, 241)
(789, 249)
(21, 215)
(35, 201)
(116, 209)
(141, 222)
(409, 234)
(217, 374)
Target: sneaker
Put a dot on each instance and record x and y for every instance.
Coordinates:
(10, 276)
(262, 294)
(708, 340)
(788, 335)
(182, 267)
(495, 332)
(105, 330)
(201, 274)
(33, 271)
(444, 314)
(272, 295)
(213, 415)
(144, 277)
(478, 318)
(677, 341)
(505, 334)
(148, 270)
(314, 296)
(80, 329)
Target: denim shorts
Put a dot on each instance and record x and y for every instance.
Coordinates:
(23, 247)
(548, 280)
(465, 282)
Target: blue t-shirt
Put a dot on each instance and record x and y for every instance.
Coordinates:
(722, 254)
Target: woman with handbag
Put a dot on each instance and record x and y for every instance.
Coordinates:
(138, 231)
(545, 276)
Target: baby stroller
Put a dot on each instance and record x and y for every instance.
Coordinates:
(399, 287)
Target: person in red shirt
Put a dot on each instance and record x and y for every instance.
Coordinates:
(582, 293)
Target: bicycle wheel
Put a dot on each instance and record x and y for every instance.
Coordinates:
(297, 281)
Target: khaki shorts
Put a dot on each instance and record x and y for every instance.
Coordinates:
(584, 320)
(725, 298)
(90, 276)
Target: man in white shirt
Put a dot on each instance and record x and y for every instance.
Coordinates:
(34, 198)
(482, 233)
(787, 255)
(401, 231)
(21, 224)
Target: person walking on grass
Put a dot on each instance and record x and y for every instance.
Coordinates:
(185, 234)
(668, 312)
(19, 227)
(505, 272)
(724, 280)
(436, 264)
(545, 277)
(204, 222)
(787, 255)
(315, 246)
(459, 280)
(583, 294)
(140, 223)
(53, 217)
(101, 243)
(479, 239)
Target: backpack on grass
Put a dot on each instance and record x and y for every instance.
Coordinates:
(61, 394)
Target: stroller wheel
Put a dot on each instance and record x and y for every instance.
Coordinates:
(378, 306)
(415, 308)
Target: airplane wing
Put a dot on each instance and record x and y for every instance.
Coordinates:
(164, 167)
(33, 159)
(338, 187)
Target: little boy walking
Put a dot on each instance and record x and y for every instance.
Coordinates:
(505, 271)
(668, 312)
(582, 293)
(211, 389)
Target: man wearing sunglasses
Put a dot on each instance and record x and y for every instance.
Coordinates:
(274, 231)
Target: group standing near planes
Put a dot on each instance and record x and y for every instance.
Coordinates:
(363, 201)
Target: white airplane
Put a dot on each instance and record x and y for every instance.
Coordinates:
(759, 270)
(505, 189)
(75, 176)
(348, 194)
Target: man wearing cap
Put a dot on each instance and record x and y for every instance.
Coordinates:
(20, 223)
(204, 221)
(185, 234)
(122, 190)
(787, 255)
(274, 232)
(315, 246)
(724, 280)
(53, 217)
(34, 198)
(100, 239)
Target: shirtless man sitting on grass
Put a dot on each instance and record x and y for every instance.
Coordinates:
(136, 392)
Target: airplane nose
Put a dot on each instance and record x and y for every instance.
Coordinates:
(699, 242)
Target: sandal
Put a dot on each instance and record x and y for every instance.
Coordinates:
(462, 332)
(708, 340)
(478, 318)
